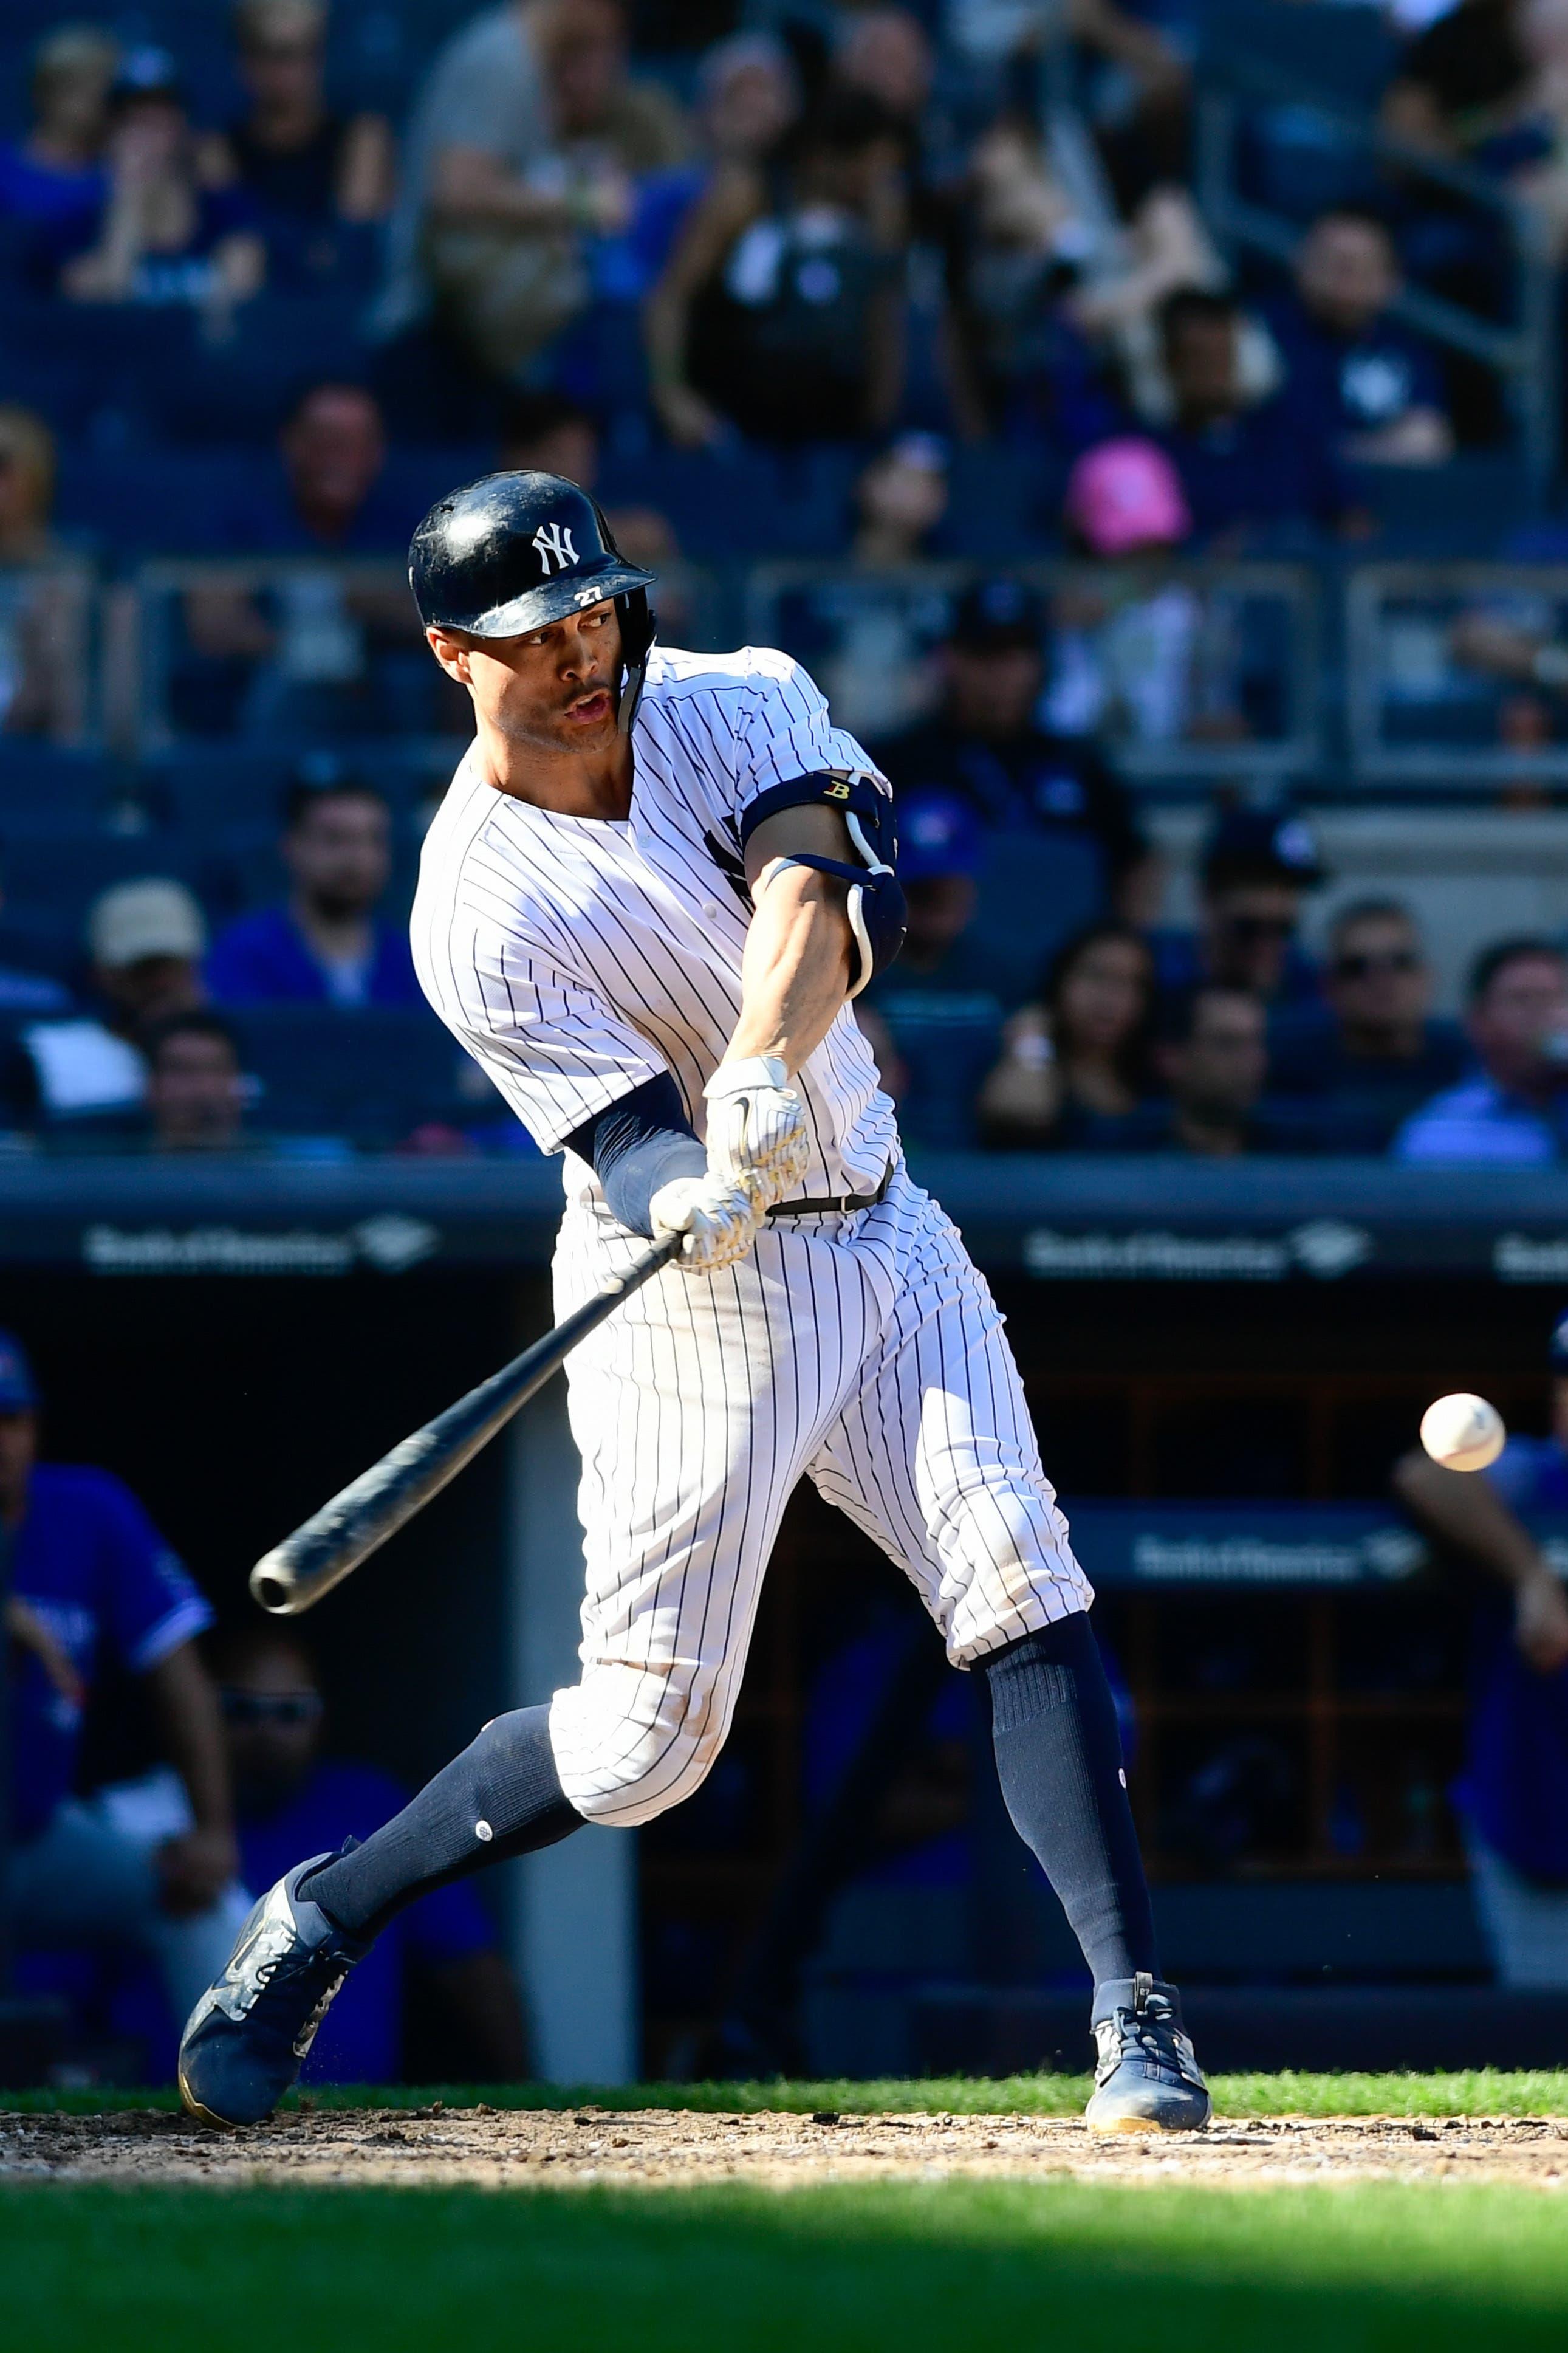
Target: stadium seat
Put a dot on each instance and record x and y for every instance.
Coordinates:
(1351, 64)
(1036, 890)
(54, 783)
(1464, 508)
(373, 1074)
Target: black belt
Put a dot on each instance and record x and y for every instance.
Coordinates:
(835, 1204)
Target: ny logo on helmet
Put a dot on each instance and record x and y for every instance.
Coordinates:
(553, 542)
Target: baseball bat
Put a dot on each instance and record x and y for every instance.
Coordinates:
(332, 1542)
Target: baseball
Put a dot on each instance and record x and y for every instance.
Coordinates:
(1462, 1432)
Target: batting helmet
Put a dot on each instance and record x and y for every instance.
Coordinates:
(513, 552)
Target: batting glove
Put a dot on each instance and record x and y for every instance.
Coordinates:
(720, 1220)
(757, 1136)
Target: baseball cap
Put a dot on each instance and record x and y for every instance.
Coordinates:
(938, 834)
(156, 917)
(19, 1389)
(1262, 844)
(1126, 493)
(992, 614)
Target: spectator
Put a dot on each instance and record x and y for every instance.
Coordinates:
(934, 1016)
(1256, 865)
(42, 653)
(195, 1085)
(310, 174)
(780, 311)
(51, 180)
(548, 433)
(596, 109)
(1513, 1796)
(490, 223)
(91, 1580)
(1214, 1057)
(330, 496)
(900, 498)
(1018, 359)
(1044, 289)
(985, 743)
(1248, 465)
(291, 1800)
(303, 659)
(1516, 1110)
(1356, 378)
(160, 238)
(1075, 1071)
(1372, 1054)
(1134, 655)
(326, 945)
(1463, 75)
(145, 941)
(748, 95)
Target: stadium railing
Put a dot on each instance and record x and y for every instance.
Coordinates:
(1423, 715)
(1189, 672)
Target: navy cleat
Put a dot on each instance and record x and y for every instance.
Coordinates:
(1147, 2078)
(245, 2038)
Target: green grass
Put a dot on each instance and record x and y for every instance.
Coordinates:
(1482, 2091)
(1378, 2268)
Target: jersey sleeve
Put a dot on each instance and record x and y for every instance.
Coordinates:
(151, 1602)
(786, 731)
(555, 1050)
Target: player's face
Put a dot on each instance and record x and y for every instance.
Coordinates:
(555, 689)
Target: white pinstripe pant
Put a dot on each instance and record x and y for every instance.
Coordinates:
(864, 1351)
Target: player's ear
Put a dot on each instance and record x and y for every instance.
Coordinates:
(452, 653)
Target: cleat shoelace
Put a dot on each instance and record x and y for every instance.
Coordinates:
(285, 1980)
(1148, 2035)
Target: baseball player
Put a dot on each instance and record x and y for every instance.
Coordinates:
(654, 889)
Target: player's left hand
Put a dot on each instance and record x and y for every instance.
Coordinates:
(757, 1136)
(720, 1221)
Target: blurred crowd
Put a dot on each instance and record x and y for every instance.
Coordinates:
(890, 288)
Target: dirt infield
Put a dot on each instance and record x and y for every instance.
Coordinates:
(502, 2148)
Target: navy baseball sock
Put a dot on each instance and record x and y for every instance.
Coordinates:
(1058, 1758)
(501, 1797)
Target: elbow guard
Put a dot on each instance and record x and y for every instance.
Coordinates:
(876, 908)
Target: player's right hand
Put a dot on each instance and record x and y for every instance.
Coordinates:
(720, 1220)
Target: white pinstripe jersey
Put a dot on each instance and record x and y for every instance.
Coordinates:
(576, 958)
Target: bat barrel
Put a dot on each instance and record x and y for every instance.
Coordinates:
(330, 1544)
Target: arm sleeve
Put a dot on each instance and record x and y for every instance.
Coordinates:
(640, 1143)
(151, 1602)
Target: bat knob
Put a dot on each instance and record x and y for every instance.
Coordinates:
(272, 1588)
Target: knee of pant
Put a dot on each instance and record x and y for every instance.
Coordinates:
(623, 1769)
